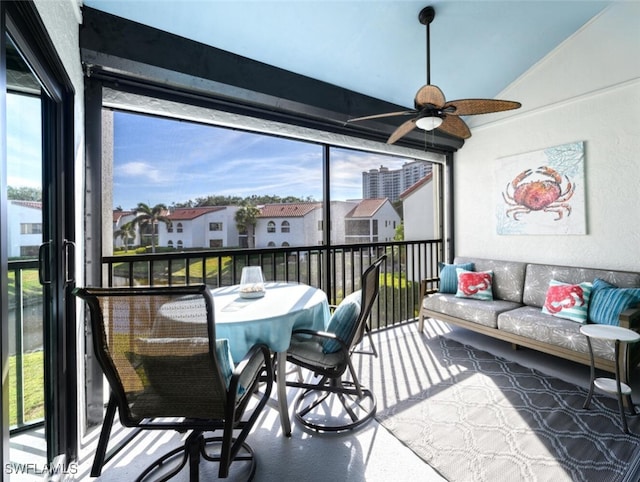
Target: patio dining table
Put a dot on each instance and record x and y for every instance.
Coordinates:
(269, 319)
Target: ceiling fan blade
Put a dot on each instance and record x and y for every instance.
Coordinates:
(429, 95)
(388, 114)
(455, 126)
(402, 131)
(480, 106)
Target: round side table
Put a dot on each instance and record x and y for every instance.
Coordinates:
(619, 336)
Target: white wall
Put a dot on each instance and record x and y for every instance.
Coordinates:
(586, 90)
(419, 213)
(388, 220)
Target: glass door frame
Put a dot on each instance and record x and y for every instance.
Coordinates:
(23, 24)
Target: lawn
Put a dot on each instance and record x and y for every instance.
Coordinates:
(33, 387)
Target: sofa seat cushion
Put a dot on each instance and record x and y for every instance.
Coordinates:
(530, 322)
(478, 311)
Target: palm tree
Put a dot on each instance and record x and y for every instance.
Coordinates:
(151, 216)
(127, 232)
(246, 218)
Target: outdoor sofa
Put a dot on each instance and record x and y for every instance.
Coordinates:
(521, 308)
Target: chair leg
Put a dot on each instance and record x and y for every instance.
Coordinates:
(373, 350)
(105, 433)
(195, 445)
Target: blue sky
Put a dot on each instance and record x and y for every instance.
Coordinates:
(159, 160)
(24, 142)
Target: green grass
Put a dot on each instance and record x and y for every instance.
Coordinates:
(33, 387)
(31, 287)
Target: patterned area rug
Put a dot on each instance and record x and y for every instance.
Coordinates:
(474, 417)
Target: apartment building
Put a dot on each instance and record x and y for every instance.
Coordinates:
(390, 183)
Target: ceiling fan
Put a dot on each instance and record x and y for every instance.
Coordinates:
(432, 111)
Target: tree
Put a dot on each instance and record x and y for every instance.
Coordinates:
(399, 236)
(24, 193)
(246, 218)
(127, 232)
(151, 216)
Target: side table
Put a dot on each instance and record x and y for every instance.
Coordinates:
(619, 336)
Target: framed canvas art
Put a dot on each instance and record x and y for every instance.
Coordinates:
(542, 192)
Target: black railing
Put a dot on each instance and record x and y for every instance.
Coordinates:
(336, 270)
(26, 362)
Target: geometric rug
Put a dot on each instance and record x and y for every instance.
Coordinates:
(480, 418)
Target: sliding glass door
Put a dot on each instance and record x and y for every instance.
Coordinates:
(36, 242)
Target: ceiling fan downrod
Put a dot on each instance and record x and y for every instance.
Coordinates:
(426, 16)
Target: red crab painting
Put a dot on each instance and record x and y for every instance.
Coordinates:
(563, 297)
(549, 192)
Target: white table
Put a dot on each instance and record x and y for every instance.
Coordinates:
(269, 320)
(618, 335)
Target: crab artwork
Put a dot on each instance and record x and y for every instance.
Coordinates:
(548, 191)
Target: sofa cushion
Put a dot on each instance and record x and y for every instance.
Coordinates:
(608, 301)
(530, 322)
(474, 284)
(538, 277)
(481, 312)
(508, 276)
(570, 301)
(449, 276)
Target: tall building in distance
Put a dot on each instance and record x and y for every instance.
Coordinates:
(390, 183)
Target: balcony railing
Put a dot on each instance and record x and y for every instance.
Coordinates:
(26, 362)
(336, 270)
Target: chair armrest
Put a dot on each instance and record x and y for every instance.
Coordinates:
(630, 318)
(323, 336)
(427, 286)
(247, 372)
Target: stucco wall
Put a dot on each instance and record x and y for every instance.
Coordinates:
(419, 219)
(586, 90)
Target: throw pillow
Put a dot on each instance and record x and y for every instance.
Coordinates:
(608, 301)
(570, 301)
(449, 276)
(343, 321)
(475, 284)
(225, 362)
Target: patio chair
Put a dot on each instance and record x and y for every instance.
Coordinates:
(328, 355)
(184, 380)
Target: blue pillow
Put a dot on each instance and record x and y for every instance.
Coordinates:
(343, 321)
(225, 362)
(608, 301)
(566, 300)
(449, 276)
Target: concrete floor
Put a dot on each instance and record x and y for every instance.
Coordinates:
(370, 454)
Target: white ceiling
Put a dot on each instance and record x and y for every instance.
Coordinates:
(378, 48)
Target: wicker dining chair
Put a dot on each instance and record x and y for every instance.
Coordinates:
(328, 355)
(166, 370)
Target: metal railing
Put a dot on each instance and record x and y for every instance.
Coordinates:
(26, 360)
(336, 270)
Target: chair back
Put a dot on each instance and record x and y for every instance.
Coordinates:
(370, 287)
(157, 349)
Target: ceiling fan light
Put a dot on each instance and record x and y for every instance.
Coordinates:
(428, 123)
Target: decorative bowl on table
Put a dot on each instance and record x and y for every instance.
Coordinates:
(251, 282)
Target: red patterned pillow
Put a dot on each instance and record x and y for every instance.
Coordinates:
(570, 301)
(475, 284)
